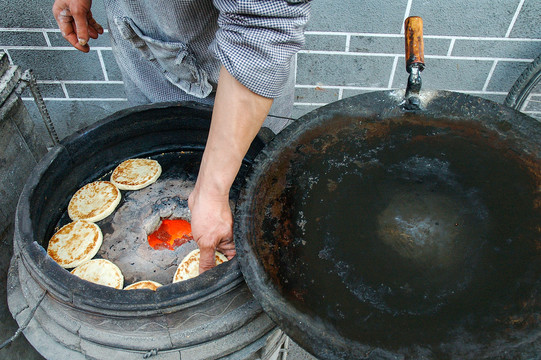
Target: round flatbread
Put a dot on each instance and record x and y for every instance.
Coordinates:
(135, 174)
(75, 243)
(144, 284)
(94, 202)
(100, 271)
(189, 267)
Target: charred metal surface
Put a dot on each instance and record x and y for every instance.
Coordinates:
(363, 220)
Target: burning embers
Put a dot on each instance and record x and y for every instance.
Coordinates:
(171, 234)
(128, 233)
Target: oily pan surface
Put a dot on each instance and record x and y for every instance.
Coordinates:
(375, 227)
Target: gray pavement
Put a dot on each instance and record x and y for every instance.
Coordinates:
(20, 349)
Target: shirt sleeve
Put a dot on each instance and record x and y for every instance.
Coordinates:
(257, 38)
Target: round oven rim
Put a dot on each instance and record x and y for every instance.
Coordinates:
(68, 288)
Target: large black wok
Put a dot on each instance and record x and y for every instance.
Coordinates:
(399, 225)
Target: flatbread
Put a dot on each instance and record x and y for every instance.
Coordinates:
(75, 243)
(144, 284)
(100, 271)
(135, 174)
(189, 267)
(94, 202)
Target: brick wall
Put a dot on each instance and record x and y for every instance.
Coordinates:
(353, 46)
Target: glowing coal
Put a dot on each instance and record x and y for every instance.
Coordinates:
(141, 213)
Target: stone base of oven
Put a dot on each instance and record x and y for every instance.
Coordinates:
(61, 331)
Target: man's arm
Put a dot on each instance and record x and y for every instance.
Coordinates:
(255, 43)
(236, 119)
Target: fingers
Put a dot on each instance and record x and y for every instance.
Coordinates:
(94, 28)
(80, 17)
(65, 24)
(228, 249)
(76, 23)
(207, 259)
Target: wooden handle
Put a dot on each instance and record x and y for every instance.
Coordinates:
(415, 49)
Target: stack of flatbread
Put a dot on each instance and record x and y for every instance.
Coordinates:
(74, 245)
(189, 267)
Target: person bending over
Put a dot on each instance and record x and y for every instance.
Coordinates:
(235, 54)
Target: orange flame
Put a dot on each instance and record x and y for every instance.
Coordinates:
(171, 234)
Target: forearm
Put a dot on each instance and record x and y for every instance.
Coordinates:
(237, 117)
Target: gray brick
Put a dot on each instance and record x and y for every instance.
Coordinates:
(113, 71)
(59, 64)
(56, 39)
(70, 116)
(465, 17)
(47, 91)
(350, 93)
(96, 90)
(450, 74)
(534, 104)
(325, 42)
(527, 24)
(21, 38)
(98, 11)
(535, 115)
(316, 95)
(300, 110)
(499, 49)
(376, 44)
(38, 14)
(373, 16)
(28, 13)
(436, 46)
(395, 45)
(346, 70)
(537, 88)
(505, 74)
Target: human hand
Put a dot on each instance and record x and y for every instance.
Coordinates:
(76, 23)
(212, 226)
(236, 118)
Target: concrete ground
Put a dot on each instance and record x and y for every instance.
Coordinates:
(20, 349)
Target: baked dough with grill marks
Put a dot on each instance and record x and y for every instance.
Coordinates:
(75, 243)
(94, 202)
(100, 271)
(144, 284)
(189, 267)
(135, 174)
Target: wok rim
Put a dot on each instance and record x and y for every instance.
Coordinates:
(85, 295)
